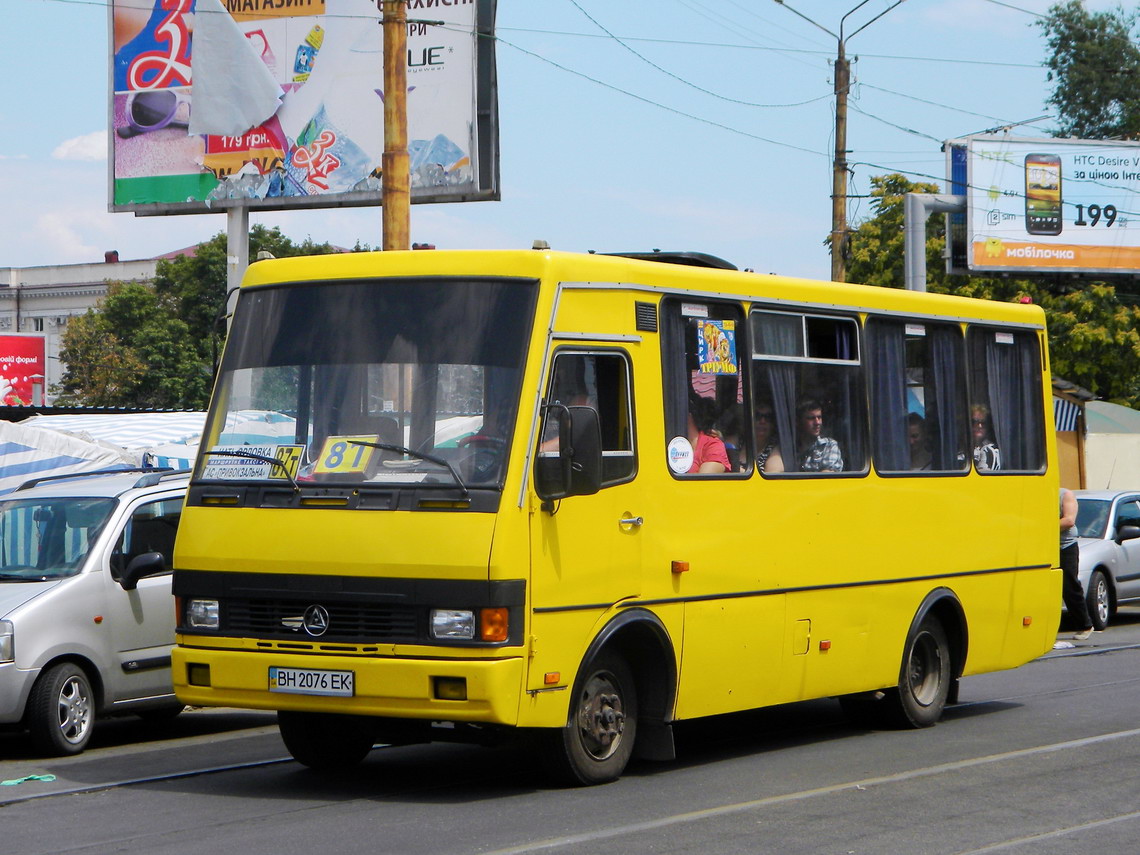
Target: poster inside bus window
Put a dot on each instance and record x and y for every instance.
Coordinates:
(716, 347)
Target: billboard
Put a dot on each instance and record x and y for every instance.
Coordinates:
(22, 370)
(274, 105)
(1051, 205)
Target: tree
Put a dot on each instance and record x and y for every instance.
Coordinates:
(1094, 63)
(1093, 337)
(156, 345)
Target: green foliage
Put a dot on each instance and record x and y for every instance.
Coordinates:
(1094, 63)
(1093, 337)
(156, 345)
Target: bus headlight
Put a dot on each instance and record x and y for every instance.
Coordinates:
(458, 624)
(7, 641)
(202, 614)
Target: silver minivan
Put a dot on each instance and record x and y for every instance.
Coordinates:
(86, 613)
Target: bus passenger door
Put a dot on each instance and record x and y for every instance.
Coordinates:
(586, 550)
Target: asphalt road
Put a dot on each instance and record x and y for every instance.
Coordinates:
(1044, 759)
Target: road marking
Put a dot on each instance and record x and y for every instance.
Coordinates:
(741, 807)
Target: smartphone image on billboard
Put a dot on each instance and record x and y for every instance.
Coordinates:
(1042, 194)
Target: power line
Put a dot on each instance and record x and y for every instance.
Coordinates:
(678, 78)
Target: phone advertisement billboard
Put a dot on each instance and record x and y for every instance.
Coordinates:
(274, 105)
(22, 369)
(1052, 205)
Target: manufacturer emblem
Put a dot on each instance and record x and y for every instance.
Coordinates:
(316, 620)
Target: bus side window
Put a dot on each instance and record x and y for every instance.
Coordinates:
(705, 428)
(600, 380)
(917, 393)
(1006, 423)
(809, 375)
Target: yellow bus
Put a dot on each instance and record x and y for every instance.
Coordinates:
(468, 495)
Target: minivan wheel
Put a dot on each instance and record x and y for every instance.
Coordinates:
(61, 711)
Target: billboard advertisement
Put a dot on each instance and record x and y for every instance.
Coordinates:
(1052, 205)
(274, 105)
(22, 370)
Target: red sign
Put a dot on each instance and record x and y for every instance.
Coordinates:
(22, 367)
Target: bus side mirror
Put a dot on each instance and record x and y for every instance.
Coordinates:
(576, 468)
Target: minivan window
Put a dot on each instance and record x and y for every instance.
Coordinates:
(48, 538)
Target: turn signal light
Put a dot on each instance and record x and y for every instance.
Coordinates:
(493, 624)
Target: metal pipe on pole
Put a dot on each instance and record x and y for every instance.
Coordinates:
(396, 178)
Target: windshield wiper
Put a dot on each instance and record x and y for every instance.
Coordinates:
(430, 458)
(20, 577)
(264, 458)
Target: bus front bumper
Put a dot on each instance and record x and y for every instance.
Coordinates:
(481, 690)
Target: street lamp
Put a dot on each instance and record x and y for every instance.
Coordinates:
(839, 163)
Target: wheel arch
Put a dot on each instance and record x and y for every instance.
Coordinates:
(94, 677)
(641, 639)
(943, 604)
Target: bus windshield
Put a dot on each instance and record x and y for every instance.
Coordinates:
(386, 381)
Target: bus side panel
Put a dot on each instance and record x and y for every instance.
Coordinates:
(733, 652)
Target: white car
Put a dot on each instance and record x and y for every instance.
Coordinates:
(86, 613)
(1109, 526)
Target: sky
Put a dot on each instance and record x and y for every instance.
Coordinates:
(703, 125)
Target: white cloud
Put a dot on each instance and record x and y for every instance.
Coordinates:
(90, 147)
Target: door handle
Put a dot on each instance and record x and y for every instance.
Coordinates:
(631, 521)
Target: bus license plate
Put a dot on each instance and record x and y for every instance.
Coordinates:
(307, 681)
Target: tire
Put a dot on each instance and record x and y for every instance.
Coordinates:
(925, 678)
(596, 744)
(61, 711)
(1099, 600)
(326, 741)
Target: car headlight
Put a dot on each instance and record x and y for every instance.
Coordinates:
(7, 641)
(202, 614)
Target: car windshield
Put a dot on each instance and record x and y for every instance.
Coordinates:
(388, 382)
(48, 538)
(1092, 517)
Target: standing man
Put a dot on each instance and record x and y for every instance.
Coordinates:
(816, 453)
(1071, 591)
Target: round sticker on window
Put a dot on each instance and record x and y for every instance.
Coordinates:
(680, 453)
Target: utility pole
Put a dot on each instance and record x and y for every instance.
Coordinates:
(839, 161)
(396, 180)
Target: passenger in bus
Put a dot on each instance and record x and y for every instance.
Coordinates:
(816, 453)
(728, 428)
(768, 457)
(987, 457)
(919, 443)
(709, 454)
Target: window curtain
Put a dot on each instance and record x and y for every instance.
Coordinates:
(781, 335)
(887, 362)
(851, 424)
(1011, 370)
(945, 413)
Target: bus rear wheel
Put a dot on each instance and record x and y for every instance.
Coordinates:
(924, 683)
(596, 745)
(326, 741)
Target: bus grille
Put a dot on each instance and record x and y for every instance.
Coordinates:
(357, 623)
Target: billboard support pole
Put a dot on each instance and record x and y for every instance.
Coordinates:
(917, 207)
(396, 179)
(237, 253)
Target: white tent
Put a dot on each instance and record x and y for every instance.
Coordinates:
(27, 453)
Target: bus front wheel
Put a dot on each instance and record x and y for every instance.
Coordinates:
(596, 744)
(325, 741)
